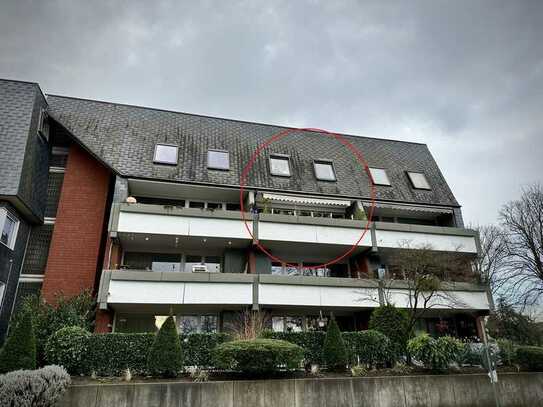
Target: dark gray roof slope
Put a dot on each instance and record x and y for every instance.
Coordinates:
(124, 137)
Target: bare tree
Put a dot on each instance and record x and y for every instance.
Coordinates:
(490, 263)
(420, 275)
(250, 324)
(523, 223)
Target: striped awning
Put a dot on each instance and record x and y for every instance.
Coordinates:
(409, 208)
(309, 201)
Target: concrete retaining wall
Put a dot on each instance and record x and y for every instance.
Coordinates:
(523, 390)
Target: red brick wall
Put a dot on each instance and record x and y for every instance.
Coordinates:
(75, 245)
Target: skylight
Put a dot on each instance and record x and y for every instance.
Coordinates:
(418, 180)
(379, 176)
(165, 154)
(324, 170)
(218, 160)
(279, 165)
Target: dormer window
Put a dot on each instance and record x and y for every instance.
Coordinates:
(165, 154)
(379, 176)
(324, 170)
(418, 180)
(279, 165)
(218, 160)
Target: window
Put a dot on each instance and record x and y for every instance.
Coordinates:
(418, 180)
(8, 227)
(198, 323)
(43, 125)
(218, 160)
(324, 170)
(197, 204)
(279, 165)
(214, 205)
(379, 176)
(165, 154)
(2, 290)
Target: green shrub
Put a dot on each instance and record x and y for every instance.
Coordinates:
(311, 342)
(19, 350)
(68, 347)
(334, 351)
(165, 358)
(393, 323)
(435, 354)
(471, 355)
(368, 347)
(48, 318)
(530, 357)
(358, 371)
(42, 387)
(257, 356)
(507, 352)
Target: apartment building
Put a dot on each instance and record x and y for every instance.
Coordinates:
(144, 206)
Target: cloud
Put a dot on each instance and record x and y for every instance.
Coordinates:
(464, 77)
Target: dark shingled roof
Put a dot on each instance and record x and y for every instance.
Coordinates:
(124, 137)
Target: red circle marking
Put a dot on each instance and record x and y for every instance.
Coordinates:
(278, 136)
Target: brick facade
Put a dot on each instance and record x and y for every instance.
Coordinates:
(77, 237)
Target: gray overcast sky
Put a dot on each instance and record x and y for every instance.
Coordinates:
(464, 77)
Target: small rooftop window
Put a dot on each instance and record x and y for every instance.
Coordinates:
(218, 160)
(418, 179)
(165, 154)
(324, 170)
(279, 165)
(379, 176)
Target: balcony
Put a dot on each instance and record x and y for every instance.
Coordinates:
(139, 226)
(136, 290)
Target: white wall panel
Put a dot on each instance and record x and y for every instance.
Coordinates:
(182, 225)
(469, 300)
(396, 239)
(287, 232)
(317, 296)
(218, 293)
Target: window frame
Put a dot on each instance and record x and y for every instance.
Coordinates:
(373, 179)
(4, 214)
(280, 157)
(3, 286)
(215, 150)
(157, 161)
(426, 188)
(325, 162)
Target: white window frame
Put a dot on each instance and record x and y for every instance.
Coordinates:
(214, 167)
(425, 183)
(157, 161)
(372, 169)
(325, 162)
(43, 124)
(280, 157)
(4, 214)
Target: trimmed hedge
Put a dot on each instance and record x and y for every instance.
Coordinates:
(530, 357)
(256, 356)
(370, 346)
(311, 342)
(110, 354)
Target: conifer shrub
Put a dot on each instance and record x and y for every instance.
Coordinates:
(369, 347)
(393, 323)
(19, 350)
(165, 357)
(334, 352)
